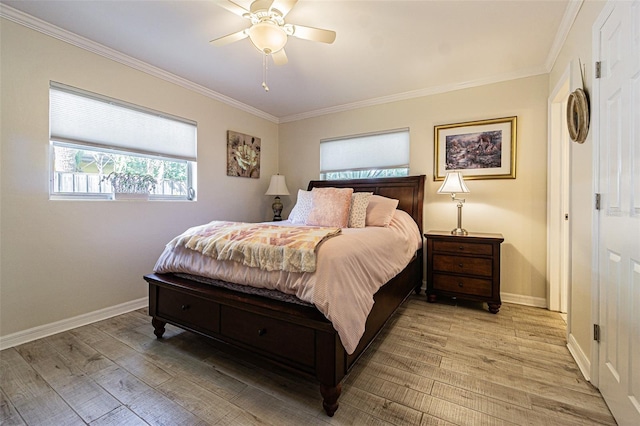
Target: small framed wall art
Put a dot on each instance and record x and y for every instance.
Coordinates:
(243, 155)
(484, 149)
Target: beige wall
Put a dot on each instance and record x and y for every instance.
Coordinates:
(514, 207)
(578, 47)
(61, 259)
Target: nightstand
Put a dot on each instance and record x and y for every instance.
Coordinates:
(464, 266)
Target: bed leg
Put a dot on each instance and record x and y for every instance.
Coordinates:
(330, 395)
(158, 327)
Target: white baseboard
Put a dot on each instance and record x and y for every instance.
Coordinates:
(41, 331)
(581, 359)
(518, 299)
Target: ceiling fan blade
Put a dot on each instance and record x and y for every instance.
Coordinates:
(232, 7)
(279, 57)
(283, 6)
(230, 38)
(314, 34)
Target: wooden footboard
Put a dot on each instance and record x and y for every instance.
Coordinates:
(298, 338)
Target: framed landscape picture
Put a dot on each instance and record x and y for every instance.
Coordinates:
(483, 149)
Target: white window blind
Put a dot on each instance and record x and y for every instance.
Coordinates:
(387, 150)
(81, 117)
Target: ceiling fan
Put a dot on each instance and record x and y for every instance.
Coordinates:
(268, 31)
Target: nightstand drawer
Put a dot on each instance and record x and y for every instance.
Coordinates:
(462, 247)
(463, 265)
(462, 285)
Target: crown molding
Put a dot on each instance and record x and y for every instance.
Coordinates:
(429, 91)
(571, 12)
(46, 28)
(569, 17)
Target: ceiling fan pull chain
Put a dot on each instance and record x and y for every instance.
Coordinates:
(264, 73)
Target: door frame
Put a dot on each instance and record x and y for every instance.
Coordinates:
(595, 129)
(558, 201)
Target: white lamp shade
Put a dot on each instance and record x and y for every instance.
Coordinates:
(267, 37)
(453, 184)
(277, 186)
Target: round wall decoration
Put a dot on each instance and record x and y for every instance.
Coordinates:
(578, 115)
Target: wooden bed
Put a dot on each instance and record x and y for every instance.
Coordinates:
(296, 337)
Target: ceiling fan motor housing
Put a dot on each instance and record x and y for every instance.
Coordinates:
(267, 37)
(269, 32)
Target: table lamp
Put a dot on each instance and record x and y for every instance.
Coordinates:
(277, 187)
(454, 184)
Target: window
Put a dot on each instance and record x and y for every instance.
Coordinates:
(92, 136)
(365, 156)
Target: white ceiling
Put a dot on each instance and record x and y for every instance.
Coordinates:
(384, 50)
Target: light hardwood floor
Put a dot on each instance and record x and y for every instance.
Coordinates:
(434, 364)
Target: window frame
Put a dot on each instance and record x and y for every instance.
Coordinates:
(60, 195)
(189, 157)
(325, 174)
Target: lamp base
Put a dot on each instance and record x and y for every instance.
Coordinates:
(459, 231)
(277, 209)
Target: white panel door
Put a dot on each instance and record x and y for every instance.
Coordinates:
(619, 217)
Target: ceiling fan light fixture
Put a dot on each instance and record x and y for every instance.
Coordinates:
(267, 37)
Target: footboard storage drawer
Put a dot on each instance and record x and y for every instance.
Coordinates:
(193, 312)
(294, 342)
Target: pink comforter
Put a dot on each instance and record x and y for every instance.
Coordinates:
(350, 269)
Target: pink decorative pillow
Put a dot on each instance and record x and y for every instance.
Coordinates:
(330, 207)
(380, 210)
(358, 212)
(301, 210)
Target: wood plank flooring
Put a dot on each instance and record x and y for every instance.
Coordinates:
(434, 364)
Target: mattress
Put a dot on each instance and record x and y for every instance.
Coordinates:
(350, 268)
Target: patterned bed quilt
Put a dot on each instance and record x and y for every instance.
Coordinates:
(258, 245)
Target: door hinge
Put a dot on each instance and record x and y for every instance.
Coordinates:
(597, 201)
(596, 333)
(598, 69)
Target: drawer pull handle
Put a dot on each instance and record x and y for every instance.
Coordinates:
(185, 307)
(262, 332)
(460, 284)
(461, 265)
(461, 248)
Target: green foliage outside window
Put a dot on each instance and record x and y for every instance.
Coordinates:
(80, 170)
(365, 174)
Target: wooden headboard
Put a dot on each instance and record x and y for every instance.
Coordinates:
(409, 191)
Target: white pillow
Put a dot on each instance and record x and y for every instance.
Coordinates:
(358, 212)
(380, 210)
(301, 210)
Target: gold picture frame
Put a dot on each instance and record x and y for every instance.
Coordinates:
(484, 149)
